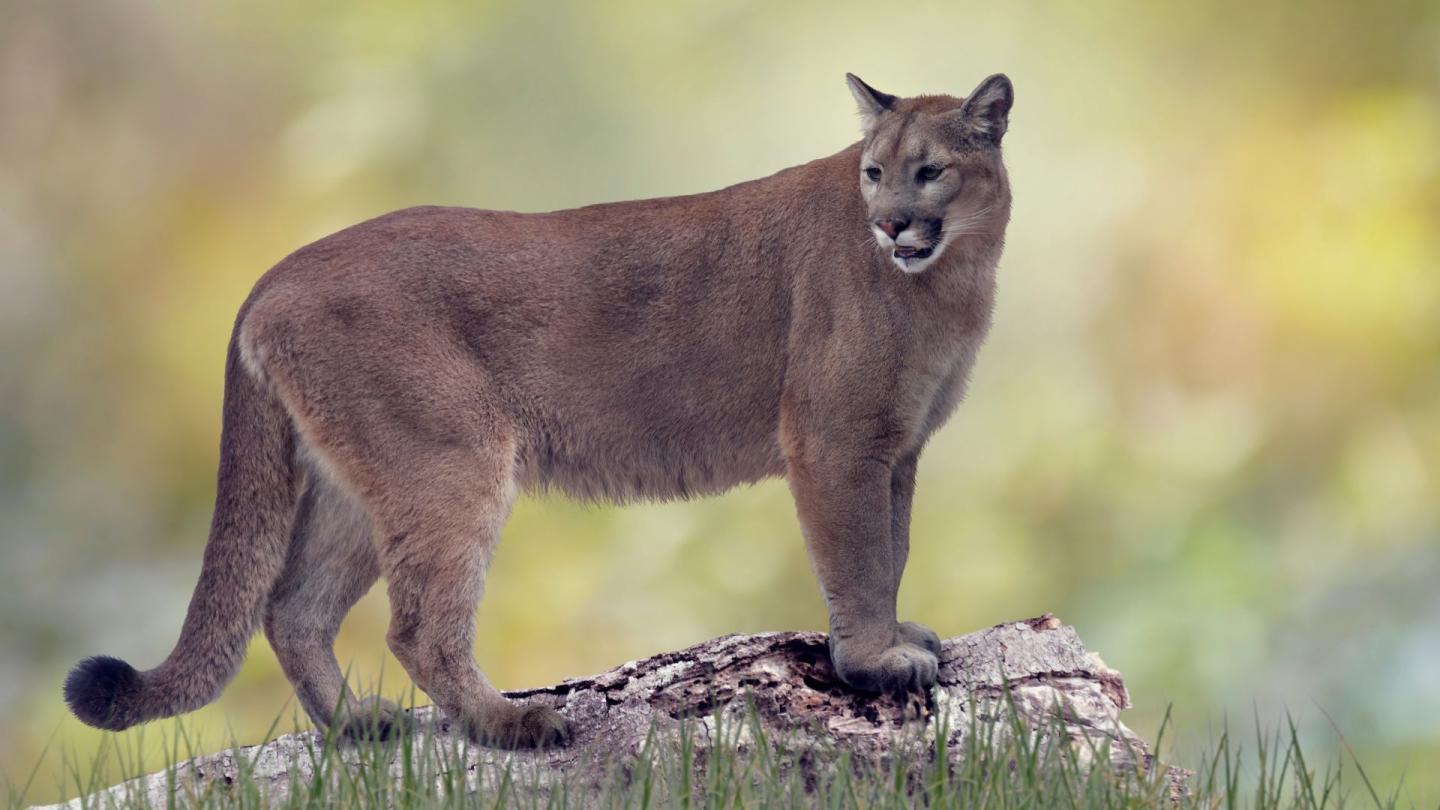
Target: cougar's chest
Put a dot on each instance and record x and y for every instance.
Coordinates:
(936, 376)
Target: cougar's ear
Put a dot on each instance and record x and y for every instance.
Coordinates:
(872, 102)
(987, 109)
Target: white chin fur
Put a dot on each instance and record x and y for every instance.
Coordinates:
(914, 267)
(906, 238)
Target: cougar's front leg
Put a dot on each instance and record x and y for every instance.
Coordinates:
(844, 503)
(902, 494)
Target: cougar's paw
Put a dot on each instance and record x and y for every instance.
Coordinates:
(372, 718)
(921, 636)
(526, 727)
(902, 669)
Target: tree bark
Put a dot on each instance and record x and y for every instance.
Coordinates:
(1063, 692)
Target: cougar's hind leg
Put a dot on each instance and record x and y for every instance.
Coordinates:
(331, 564)
(436, 539)
(427, 448)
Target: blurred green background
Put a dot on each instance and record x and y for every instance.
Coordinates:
(1205, 430)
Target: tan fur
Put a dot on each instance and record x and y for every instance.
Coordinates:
(393, 388)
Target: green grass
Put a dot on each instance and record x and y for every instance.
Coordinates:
(1008, 766)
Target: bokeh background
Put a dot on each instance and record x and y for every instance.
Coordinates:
(1205, 430)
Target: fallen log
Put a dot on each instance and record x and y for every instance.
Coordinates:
(783, 682)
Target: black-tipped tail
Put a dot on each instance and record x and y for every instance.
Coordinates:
(105, 692)
(255, 497)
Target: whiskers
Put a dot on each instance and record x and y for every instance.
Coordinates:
(962, 226)
(966, 225)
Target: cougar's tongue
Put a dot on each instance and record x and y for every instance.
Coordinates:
(911, 252)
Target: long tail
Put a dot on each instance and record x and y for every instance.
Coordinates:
(249, 537)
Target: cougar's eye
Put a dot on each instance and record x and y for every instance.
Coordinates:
(929, 174)
(873, 173)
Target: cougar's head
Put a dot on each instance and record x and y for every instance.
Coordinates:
(930, 168)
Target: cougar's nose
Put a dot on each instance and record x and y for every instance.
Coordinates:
(892, 226)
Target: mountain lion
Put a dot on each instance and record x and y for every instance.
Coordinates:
(391, 388)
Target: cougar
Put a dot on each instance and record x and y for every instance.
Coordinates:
(391, 388)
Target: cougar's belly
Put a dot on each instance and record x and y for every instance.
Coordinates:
(647, 455)
(619, 421)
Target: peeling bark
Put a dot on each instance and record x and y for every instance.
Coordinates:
(786, 683)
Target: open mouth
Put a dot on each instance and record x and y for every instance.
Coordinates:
(914, 252)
